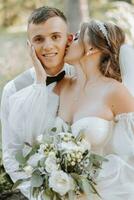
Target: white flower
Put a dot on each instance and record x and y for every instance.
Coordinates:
(60, 182)
(40, 138)
(34, 159)
(84, 145)
(50, 163)
(68, 146)
(28, 169)
(42, 148)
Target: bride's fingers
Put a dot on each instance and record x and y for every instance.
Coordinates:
(28, 43)
(29, 46)
(40, 72)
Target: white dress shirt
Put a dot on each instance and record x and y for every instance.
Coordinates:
(27, 110)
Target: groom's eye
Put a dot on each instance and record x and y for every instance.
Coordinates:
(38, 39)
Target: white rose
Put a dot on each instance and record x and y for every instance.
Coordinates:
(34, 159)
(69, 146)
(50, 163)
(42, 148)
(60, 182)
(40, 138)
(28, 169)
(84, 145)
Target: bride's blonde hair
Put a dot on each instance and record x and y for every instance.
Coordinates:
(108, 38)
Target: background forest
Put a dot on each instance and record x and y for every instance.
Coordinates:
(14, 56)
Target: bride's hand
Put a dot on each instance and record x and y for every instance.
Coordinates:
(40, 71)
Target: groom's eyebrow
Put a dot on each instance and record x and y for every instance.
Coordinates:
(56, 33)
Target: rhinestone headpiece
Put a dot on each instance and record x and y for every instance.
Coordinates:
(103, 29)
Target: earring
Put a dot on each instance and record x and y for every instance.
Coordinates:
(88, 53)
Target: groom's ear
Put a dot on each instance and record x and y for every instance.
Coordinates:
(69, 39)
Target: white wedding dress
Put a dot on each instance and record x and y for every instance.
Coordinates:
(33, 111)
(115, 141)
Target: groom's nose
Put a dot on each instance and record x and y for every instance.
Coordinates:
(48, 44)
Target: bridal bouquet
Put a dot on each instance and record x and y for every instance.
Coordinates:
(59, 167)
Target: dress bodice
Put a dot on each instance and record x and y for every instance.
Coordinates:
(97, 130)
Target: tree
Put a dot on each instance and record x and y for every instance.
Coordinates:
(76, 11)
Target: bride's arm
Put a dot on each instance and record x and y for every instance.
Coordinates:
(121, 101)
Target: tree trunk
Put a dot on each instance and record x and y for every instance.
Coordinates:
(76, 12)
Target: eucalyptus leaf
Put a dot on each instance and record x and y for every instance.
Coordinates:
(80, 136)
(36, 180)
(69, 129)
(35, 192)
(18, 182)
(95, 190)
(98, 157)
(20, 158)
(54, 129)
(26, 150)
(86, 187)
(71, 195)
(46, 196)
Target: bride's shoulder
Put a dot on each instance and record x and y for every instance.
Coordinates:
(120, 98)
(117, 88)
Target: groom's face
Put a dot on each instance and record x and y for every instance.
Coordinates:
(49, 40)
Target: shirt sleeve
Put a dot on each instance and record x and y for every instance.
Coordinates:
(22, 116)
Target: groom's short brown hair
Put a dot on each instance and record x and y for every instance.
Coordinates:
(42, 14)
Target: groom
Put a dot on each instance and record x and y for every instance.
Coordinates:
(47, 33)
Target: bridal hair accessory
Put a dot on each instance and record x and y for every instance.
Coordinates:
(103, 29)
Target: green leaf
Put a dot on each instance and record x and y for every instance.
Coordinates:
(54, 129)
(69, 129)
(42, 162)
(36, 180)
(80, 136)
(17, 183)
(86, 187)
(26, 143)
(95, 190)
(54, 197)
(35, 192)
(20, 158)
(71, 195)
(26, 150)
(97, 157)
(46, 196)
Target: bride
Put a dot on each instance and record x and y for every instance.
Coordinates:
(97, 101)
